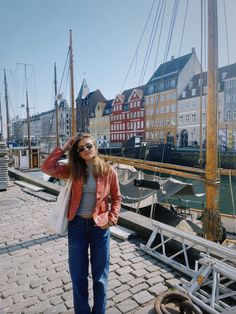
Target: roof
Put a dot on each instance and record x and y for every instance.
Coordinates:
(224, 73)
(127, 93)
(170, 69)
(84, 90)
(108, 107)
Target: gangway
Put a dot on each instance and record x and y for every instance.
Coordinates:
(213, 286)
(186, 247)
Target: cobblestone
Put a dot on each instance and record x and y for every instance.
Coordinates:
(34, 271)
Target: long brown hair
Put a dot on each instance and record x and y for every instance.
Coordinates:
(78, 166)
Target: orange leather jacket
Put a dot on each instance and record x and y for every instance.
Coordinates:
(107, 186)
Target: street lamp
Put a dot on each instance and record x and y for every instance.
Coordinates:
(28, 127)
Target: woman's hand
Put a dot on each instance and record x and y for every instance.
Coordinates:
(106, 226)
(68, 144)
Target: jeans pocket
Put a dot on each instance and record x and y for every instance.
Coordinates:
(74, 221)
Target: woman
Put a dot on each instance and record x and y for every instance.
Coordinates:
(94, 183)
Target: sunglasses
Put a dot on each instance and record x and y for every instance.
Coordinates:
(88, 146)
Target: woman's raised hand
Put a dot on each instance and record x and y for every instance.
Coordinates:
(68, 144)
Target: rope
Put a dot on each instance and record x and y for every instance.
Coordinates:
(212, 223)
(181, 301)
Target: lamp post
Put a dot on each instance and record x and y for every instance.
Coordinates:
(28, 128)
(27, 109)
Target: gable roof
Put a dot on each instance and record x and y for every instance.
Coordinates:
(127, 93)
(224, 73)
(170, 69)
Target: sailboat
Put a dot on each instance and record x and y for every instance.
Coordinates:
(211, 175)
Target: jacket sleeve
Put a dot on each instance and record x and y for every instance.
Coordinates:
(115, 198)
(52, 167)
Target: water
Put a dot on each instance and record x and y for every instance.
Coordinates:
(226, 202)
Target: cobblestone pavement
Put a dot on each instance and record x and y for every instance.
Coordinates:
(34, 275)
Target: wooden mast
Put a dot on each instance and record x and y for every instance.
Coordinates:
(73, 121)
(56, 104)
(212, 184)
(7, 107)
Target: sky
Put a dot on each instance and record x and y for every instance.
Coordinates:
(106, 35)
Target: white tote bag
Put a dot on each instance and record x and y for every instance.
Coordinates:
(57, 222)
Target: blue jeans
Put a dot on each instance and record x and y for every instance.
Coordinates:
(82, 234)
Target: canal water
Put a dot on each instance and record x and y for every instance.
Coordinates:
(227, 199)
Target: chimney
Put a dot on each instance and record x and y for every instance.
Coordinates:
(172, 58)
(193, 50)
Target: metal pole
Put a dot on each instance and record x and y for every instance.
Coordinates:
(73, 121)
(56, 105)
(7, 107)
(28, 117)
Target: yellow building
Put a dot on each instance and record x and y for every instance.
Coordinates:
(99, 123)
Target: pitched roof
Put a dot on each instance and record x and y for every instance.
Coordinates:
(108, 106)
(224, 73)
(127, 93)
(84, 90)
(170, 69)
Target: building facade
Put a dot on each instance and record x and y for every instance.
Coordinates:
(161, 94)
(100, 124)
(127, 117)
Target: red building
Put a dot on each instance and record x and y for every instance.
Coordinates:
(127, 117)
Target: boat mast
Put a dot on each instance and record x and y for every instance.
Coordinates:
(28, 116)
(211, 213)
(7, 107)
(56, 104)
(73, 121)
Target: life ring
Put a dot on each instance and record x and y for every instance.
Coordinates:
(182, 300)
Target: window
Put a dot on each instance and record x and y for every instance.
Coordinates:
(204, 117)
(168, 109)
(187, 118)
(228, 115)
(183, 94)
(194, 92)
(234, 114)
(194, 117)
(173, 107)
(228, 98)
